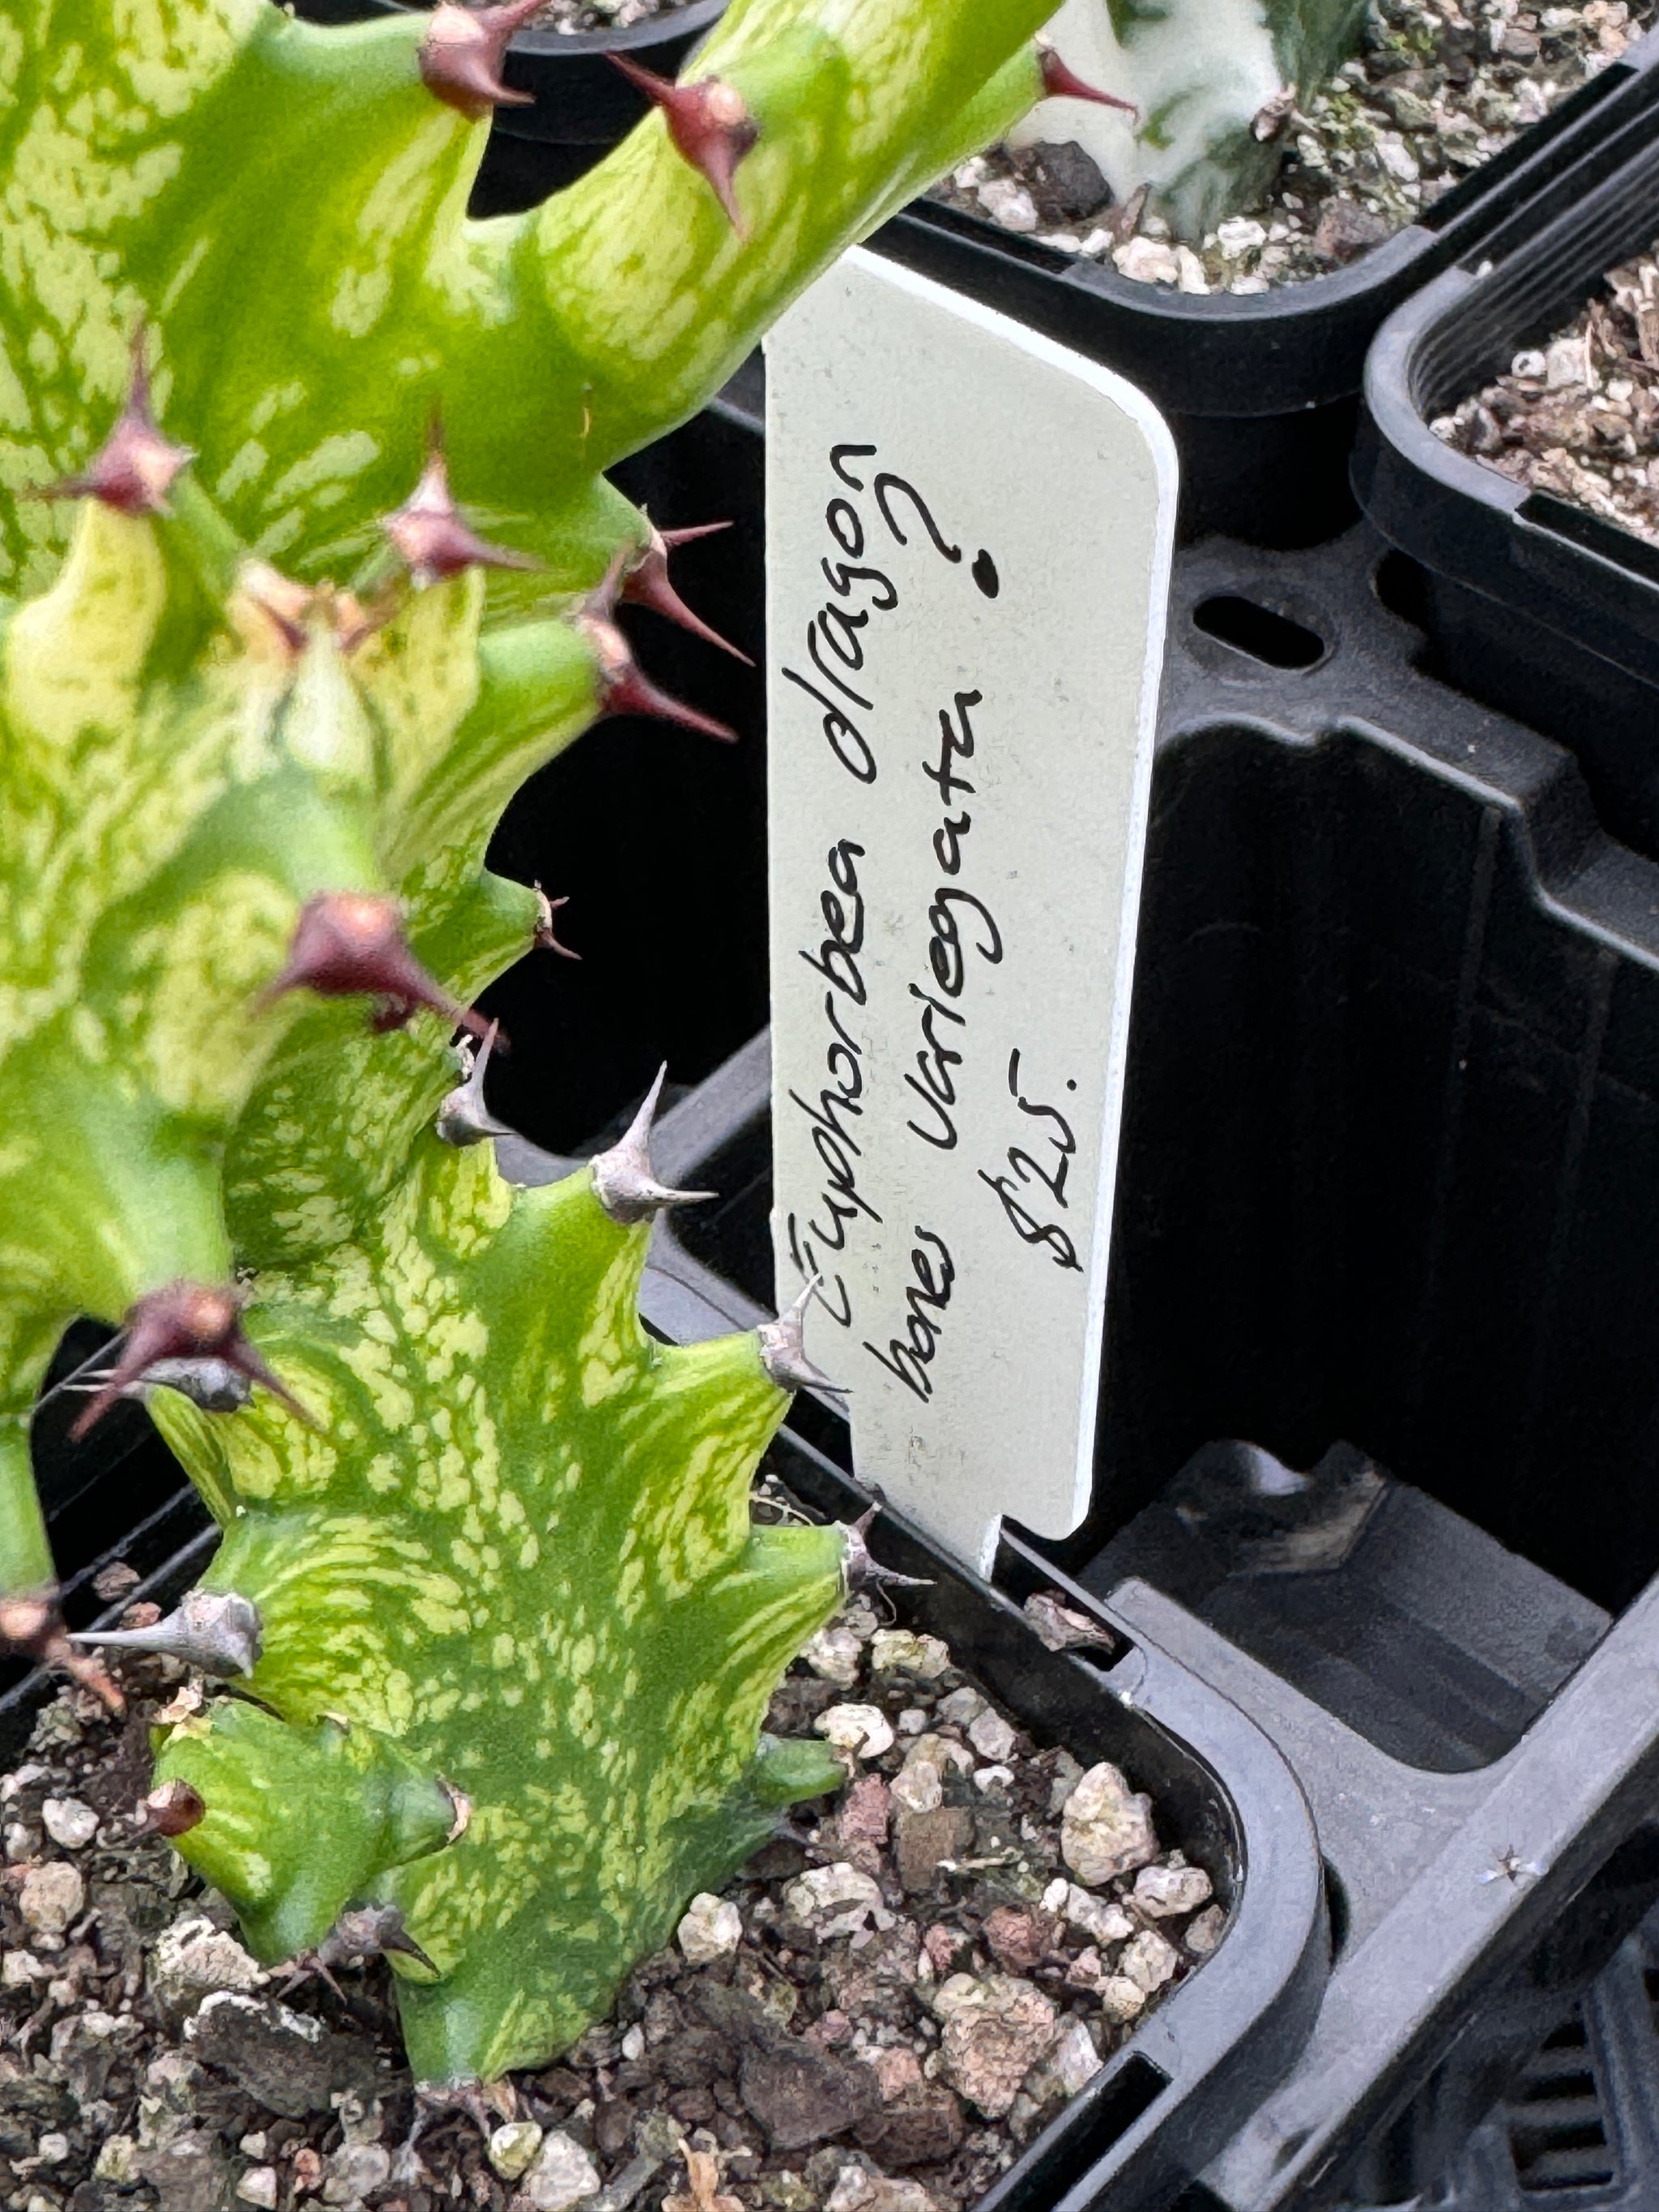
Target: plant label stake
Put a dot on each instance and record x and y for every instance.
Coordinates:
(968, 543)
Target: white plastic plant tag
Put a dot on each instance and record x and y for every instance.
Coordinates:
(968, 537)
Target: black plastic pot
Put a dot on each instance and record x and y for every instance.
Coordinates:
(582, 104)
(1548, 611)
(1262, 390)
(1183, 2083)
(1382, 1398)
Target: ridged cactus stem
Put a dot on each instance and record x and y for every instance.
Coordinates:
(488, 1577)
(593, 323)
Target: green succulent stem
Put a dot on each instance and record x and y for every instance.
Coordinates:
(277, 653)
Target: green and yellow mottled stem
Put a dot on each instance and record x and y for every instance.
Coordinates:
(488, 1574)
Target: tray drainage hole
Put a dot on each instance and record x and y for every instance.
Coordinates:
(1272, 639)
(1554, 2120)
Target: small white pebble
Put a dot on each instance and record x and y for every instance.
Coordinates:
(916, 1789)
(1121, 1998)
(117, 2160)
(712, 1928)
(51, 1896)
(52, 2149)
(1008, 204)
(1530, 363)
(1566, 363)
(912, 1721)
(991, 1736)
(1074, 2061)
(513, 2147)
(1189, 272)
(835, 1655)
(1204, 1931)
(1163, 1891)
(1146, 261)
(1239, 236)
(896, 1650)
(962, 1706)
(1397, 158)
(992, 1777)
(1149, 1961)
(1102, 1919)
(69, 1822)
(258, 2187)
(863, 1730)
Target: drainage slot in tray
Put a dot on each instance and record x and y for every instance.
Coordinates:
(1257, 631)
(1556, 2129)
(1114, 2105)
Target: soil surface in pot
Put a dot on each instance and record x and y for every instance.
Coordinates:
(1438, 88)
(1579, 416)
(600, 15)
(889, 1999)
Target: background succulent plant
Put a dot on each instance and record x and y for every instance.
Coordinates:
(1213, 83)
(488, 1568)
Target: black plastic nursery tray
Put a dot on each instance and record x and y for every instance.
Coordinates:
(1543, 609)
(1262, 390)
(1381, 1402)
(582, 103)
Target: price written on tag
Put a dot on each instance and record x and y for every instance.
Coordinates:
(968, 543)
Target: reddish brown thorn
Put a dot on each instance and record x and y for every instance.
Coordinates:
(709, 123)
(462, 54)
(173, 1809)
(350, 943)
(623, 689)
(429, 537)
(546, 939)
(1060, 82)
(183, 1321)
(691, 531)
(134, 468)
(647, 585)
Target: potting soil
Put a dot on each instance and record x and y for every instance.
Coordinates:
(1579, 415)
(892, 1996)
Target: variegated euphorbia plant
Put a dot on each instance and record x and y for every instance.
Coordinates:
(1212, 84)
(488, 1573)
